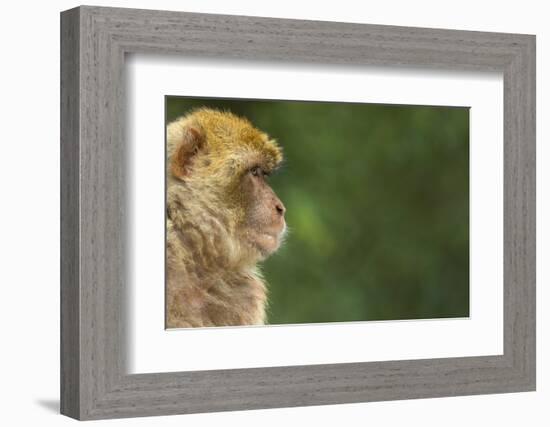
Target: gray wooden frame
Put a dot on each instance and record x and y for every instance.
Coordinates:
(94, 382)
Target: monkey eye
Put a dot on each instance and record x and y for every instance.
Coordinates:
(257, 171)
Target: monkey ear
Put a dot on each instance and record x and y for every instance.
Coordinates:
(188, 144)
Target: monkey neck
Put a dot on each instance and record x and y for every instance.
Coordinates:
(205, 232)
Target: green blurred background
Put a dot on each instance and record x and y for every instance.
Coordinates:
(377, 200)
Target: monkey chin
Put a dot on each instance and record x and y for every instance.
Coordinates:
(265, 243)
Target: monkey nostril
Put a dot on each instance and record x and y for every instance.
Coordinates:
(280, 208)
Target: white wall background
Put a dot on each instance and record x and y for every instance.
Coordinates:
(29, 213)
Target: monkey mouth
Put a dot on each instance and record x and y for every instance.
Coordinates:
(266, 242)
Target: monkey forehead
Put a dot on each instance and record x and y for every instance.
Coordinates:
(265, 153)
(240, 160)
(245, 157)
(226, 132)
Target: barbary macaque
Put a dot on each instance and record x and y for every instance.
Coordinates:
(222, 219)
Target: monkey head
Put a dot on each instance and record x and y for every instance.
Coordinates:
(219, 164)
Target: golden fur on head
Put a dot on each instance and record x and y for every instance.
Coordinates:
(222, 218)
(222, 130)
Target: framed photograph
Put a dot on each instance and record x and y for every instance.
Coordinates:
(261, 213)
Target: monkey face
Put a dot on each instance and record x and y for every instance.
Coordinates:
(264, 223)
(223, 162)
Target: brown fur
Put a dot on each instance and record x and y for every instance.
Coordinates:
(222, 219)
